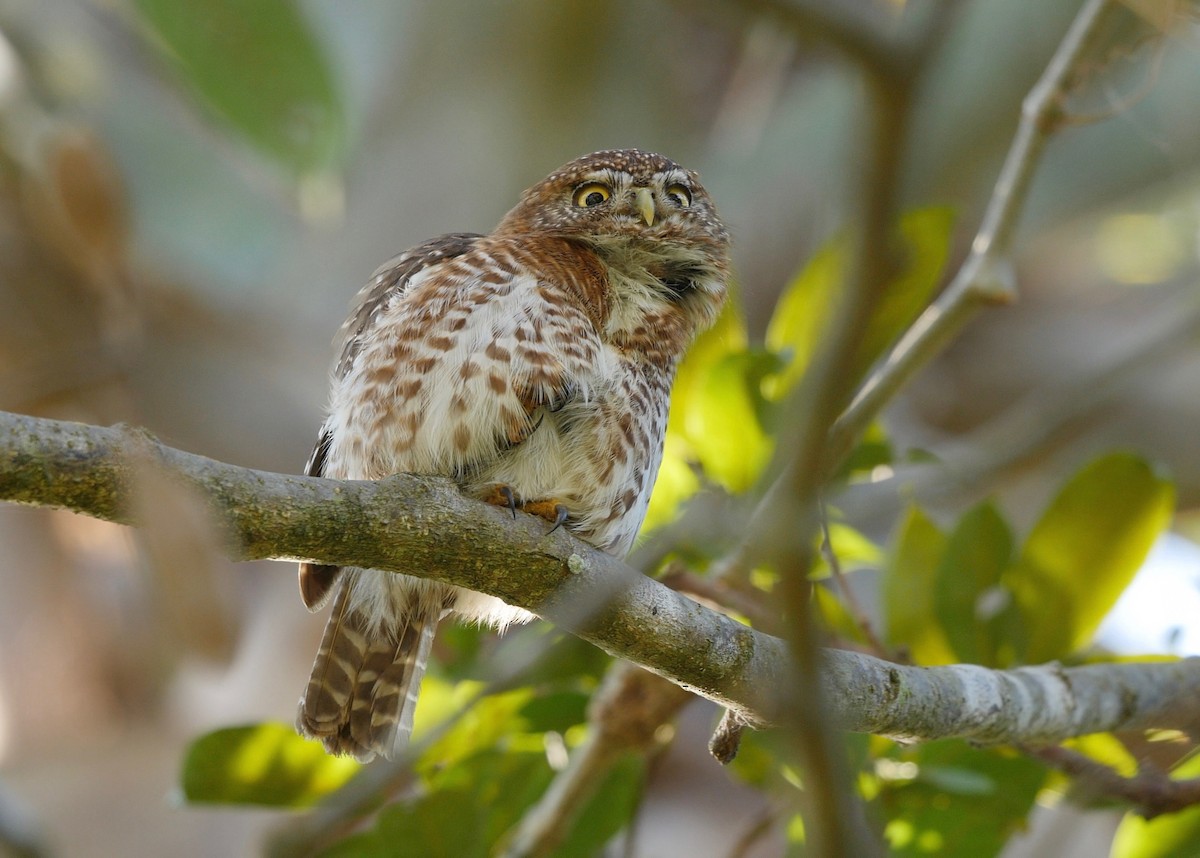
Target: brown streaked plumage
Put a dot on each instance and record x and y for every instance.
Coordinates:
(533, 365)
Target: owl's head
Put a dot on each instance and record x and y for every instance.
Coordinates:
(654, 228)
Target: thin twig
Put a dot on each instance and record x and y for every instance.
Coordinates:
(1151, 792)
(986, 276)
(1028, 428)
(877, 646)
(758, 828)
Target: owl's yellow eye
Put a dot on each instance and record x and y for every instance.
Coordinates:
(591, 194)
(680, 195)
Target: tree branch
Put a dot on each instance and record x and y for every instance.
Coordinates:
(424, 526)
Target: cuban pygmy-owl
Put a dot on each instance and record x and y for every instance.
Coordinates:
(534, 366)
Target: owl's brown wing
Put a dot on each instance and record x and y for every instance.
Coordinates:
(389, 280)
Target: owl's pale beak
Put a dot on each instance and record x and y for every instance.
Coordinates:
(645, 205)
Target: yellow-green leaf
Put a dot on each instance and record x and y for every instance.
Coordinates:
(265, 764)
(925, 238)
(807, 305)
(1107, 749)
(727, 336)
(676, 482)
(722, 424)
(804, 311)
(1084, 551)
(967, 583)
(908, 590)
(1172, 835)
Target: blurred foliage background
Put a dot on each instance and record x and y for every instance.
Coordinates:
(191, 193)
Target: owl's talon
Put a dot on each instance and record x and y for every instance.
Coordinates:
(510, 500)
(560, 517)
(503, 495)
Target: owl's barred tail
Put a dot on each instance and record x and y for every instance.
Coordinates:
(363, 689)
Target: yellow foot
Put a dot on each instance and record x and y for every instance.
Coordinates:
(551, 509)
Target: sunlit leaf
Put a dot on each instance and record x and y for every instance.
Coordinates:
(1084, 551)
(806, 307)
(483, 726)
(727, 336)
(977, 553)
(804, 311)
(836, 615)
(265, 764)
(1172, 835)
(795, 837)
(723, 424)
(852, 549)
(677, 481)
(257, 65)
(925, 240)
(908, 584)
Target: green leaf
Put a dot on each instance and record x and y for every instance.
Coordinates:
(758, 759)
(1172, 835)
(435, 825)
(968, 578)
(677, 481)
(804, 311)
(810, 299)
(872, 451)
(1085, 550)
(256, 65)
(491, 721)
(265, 764)
(852, 548)
(554, 712)
(908, 584)
(723, 425)
(925, 238)
(959, 800)
(609, 810)
(835, 614)
(469, 807)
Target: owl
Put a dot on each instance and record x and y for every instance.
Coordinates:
(533, 366)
